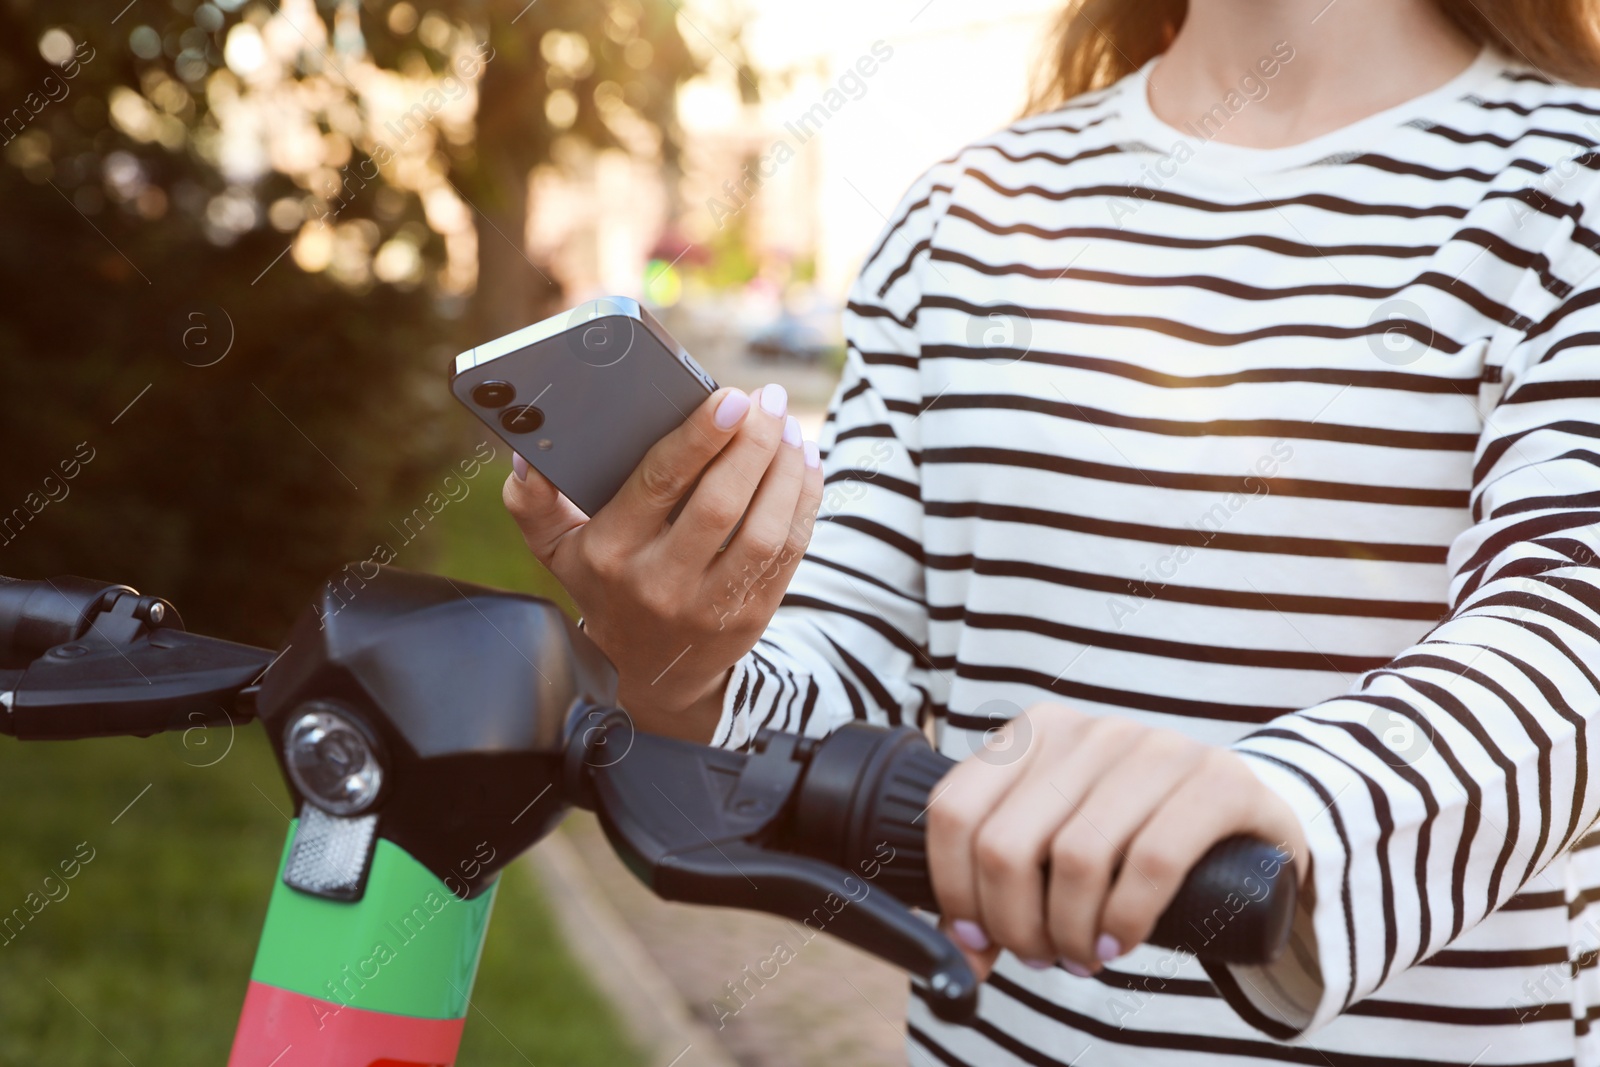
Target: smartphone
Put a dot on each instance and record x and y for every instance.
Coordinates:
(583, 395)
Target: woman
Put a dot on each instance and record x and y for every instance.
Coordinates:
(1232, 429)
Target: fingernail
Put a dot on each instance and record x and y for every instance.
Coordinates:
(791, 431)
(1039, 965)
(1077, 970)
(731, 410)
(774, 400)
(519, 466)
(1107, 948)
(970, 934)
(813, 457)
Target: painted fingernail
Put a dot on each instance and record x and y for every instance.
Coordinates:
(813, 457)
(1076, 969)
(731, 410)
(519, 466)
(774, 400)
(1107, 948)
(791, 431)
(1039, 965)
(970, 934)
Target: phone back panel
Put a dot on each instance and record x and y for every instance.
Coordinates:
(609, 382)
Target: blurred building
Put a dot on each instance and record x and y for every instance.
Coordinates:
(792, 166)
(942, 74)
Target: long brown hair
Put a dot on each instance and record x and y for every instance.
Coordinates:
(1095, 42)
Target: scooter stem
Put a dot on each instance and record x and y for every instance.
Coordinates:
(386, 980)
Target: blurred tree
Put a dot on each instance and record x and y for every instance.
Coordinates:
(243, 239)
(569, 76)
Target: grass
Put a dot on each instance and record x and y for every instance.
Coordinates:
(474, 540)
(143, 956)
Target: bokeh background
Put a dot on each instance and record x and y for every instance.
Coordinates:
(239, 242)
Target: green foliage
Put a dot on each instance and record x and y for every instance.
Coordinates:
(476, 541)
(230, 489)
(731, 263)
(189, 408)
(135, 258)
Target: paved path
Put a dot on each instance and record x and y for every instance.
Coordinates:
(828, 1004)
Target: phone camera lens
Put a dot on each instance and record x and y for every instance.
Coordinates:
(524, 418)
(493, 394)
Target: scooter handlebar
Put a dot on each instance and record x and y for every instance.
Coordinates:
(865, 786)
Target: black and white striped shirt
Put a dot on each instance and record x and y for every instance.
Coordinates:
(1294, 450)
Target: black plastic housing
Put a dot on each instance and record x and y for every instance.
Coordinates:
(490, 713)
(708, 826)
(468, 691)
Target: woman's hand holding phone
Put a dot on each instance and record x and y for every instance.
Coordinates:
(670, 606)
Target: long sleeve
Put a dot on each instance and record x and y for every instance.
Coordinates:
(1301, 456)
(850, 638)
(1446, 781)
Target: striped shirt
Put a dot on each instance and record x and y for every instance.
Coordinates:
(1294, 450)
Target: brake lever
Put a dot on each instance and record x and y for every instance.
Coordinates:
(703, 825)
(102, 660)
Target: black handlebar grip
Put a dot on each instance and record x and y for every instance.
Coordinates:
(37, 615)
(863, 806)
(1236, 905)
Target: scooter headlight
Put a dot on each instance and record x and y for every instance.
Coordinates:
(331, 761)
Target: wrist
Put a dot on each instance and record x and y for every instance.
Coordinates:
(693, 720)
(1280, 818)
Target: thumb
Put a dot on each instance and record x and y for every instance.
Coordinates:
(540, 511)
